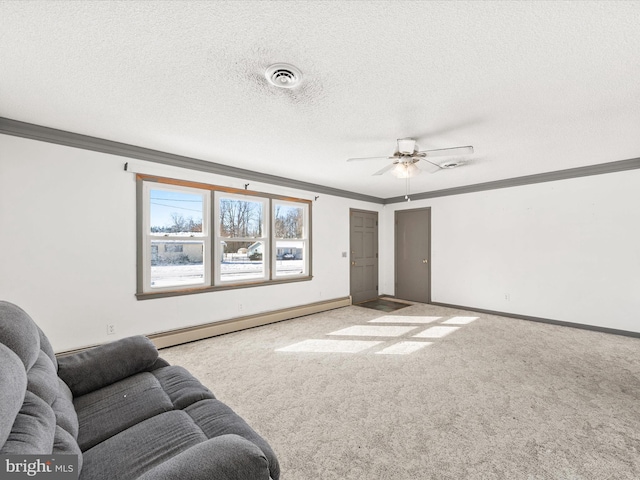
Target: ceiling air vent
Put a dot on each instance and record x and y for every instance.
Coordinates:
(283, 75)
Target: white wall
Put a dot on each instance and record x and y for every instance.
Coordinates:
(566, 250)
(68, 255)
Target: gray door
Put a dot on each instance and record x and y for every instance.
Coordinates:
(364, 255)
(413, 254)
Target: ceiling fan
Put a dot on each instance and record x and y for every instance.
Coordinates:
(407, 155)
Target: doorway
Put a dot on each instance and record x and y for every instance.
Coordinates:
(363, 235)
(413, 255)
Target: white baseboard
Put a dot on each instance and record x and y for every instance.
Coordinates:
(199, 332)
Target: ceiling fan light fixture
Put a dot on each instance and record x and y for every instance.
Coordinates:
(405, 170)
(283, 75)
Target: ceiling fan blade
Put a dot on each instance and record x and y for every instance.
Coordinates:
(385, 169)
(433, 167)
(441, 152)
(428, 166)
(365, 158)
(444, 129)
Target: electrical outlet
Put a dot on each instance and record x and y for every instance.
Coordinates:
(239, 307)
(111, 329)
(507, 296)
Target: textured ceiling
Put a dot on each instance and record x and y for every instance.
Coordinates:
(533, 86)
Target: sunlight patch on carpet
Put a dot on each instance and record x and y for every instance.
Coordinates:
(403, 319)
(373, 331)
(460, 320)
(330, 346)
(403, 348)
(393, 334)
(436, 332)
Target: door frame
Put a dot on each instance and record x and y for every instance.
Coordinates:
(395, 249)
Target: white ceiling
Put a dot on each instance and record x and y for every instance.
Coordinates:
(534, 86)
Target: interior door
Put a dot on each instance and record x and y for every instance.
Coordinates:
(413, 254)
(363, 227)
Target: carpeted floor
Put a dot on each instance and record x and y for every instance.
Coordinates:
(443, 394)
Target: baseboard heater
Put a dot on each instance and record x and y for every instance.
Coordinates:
(200, 332)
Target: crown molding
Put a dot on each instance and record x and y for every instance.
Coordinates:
(599, 169)
(76, 140)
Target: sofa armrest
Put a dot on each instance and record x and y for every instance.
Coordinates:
(227, 457)
(100, 366)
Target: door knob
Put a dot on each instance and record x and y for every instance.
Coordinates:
(424, 260)
(353, 264)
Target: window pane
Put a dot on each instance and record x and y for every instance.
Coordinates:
(241, 261)
(289, 221)
(240, 218)
(289, 257)
(175, 212)
(176, 263)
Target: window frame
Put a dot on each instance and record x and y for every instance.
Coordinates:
(145, 183)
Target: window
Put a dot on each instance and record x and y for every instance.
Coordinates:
(242, 238)
(176, 243)
(196, 237)
(290, 234)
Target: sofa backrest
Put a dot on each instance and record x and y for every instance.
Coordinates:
(36, 406)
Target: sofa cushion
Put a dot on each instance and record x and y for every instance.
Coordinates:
(13, 383)
(217, 419)
(100, 366)
(19, 333)
(182, 388)
(106, 412)
(46, 347)
(65, 443)
(42, 379)
(33, 429)
(120, 457)
(64, 410)
(229, 457)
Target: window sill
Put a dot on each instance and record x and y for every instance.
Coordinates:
(192, 291)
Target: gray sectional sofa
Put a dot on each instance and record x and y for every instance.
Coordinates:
(124, 411)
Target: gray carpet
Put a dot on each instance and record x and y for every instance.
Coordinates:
(496, 399)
